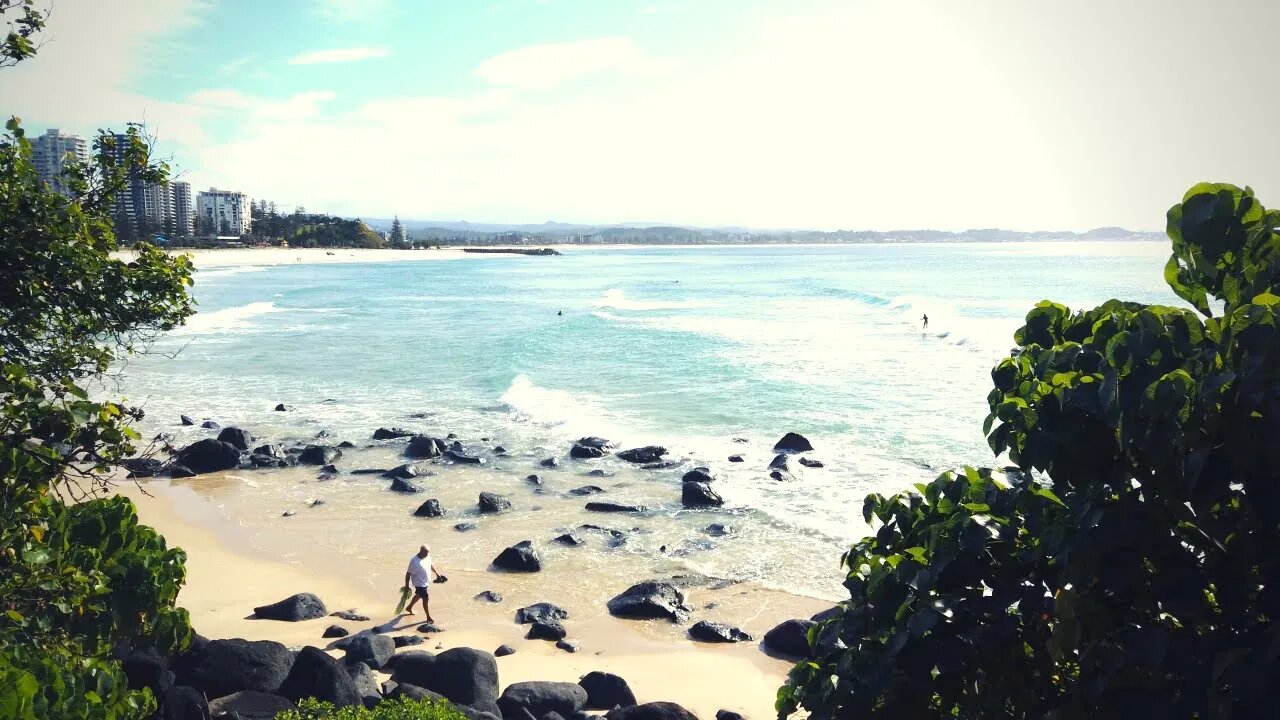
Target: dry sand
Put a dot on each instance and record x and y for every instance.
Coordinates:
(227, 578)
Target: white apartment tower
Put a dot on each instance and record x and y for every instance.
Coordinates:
(184, 217)
(223, 212)
(50, 153)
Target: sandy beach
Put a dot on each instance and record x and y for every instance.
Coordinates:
(229, 573)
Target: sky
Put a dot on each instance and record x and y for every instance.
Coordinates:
(830, 114)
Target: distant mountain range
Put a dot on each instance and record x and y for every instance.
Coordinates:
(465, 233)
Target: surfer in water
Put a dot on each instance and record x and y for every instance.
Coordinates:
(926, 322)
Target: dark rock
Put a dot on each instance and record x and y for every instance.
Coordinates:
(792, 443)
(811, 463)
(699, 474)
(250, 705)
(651, 711)
(372, 471)
(642, 455)
(146, 669)
(208, 455)
(456, 445)
(521, 557)
(222, 667)
(401, 485)
(411, 666)
(181, 471)
(210, 425)
(329, 469)
(590, 447)
(430, 508)
(143, 467)
(335, 631)
(315, 674)
(736, 459)
(664, 465)
(503, 651)
(719, 530)
(303, 606)
(781, 461)
(187, 420)
(540, 698)
(282, 408)
(460, 457)
(465, 526)
(407, 640)
(391, 433)
(183, 703)
(586, 490)
(599, 472)
(606, 690)
(369, 648)
(567, 646)
(650, 599)
(270, 450)
(548, 630)
(499, 450)
(412, 692)
(729, 715)
(489, 596)
(366, 684)
(828, 614)
(241, 439)
(569, 539)
(404, 472)
(493, 503)
(614, 507)
(541, 612)
(430, 628)
(781, 476)
(550, 463)
(463, 675)
(790, 638)
(318, 455)
(350, 615)
(714, 632)
(533, 479)
(697, 494)
(421, 446)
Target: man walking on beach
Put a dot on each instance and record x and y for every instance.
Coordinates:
(419, 576)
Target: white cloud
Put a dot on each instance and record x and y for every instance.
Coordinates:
(337, 55)
(296, 107)
(542, 67)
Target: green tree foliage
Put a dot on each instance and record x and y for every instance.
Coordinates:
(1128, 565)
(301, 229)
(397, 709)
(79, 576)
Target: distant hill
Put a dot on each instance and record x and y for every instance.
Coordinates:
(464, 233)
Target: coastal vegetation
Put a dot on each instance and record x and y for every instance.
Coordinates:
(401, 708)
(309, 230)
(1127, 563)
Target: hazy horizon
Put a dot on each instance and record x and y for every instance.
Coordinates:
(815, 114)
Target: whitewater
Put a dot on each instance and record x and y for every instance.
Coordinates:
(710, 352)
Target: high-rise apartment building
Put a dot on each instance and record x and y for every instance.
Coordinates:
(50, 153)
(184, 217)
(223, 212)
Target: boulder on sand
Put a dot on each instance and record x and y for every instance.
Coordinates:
(430, 508)
(650, 599)
(335, 631)
(590, 447)
(222, 667)
(540, 698)
(242, 439)
(143, 467)
(183, 703)
(503, 651)
(463, 675)
(643, 455)
(369, 648)
(651, 711)
(493, 503)
(606, 690)
(541, 612)
(209, 455)
(318, 455)
(365, 682)
(316, 674)
(250, 705)
(546, 630)
(521, 557)
(793, 443)
(699, 495)
(303, 606)
(790, 638)
(715, 632)
(421, 446)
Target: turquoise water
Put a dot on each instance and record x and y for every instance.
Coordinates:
(689, 348)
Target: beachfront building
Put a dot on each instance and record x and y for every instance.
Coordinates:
(184, 217)
(51, 151)
(223, 212)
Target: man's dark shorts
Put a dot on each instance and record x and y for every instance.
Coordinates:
(420, 592)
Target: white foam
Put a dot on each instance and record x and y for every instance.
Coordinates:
(226, 319)
(617, 299)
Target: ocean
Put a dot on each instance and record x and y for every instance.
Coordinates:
(708, 351)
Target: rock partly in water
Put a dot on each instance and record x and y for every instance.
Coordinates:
(430, 508)
(493, 503)
(736, 459)
(521, 557)
(241, 439)
(465, 526)
(402, 485)
(606, 691)
(811, 463)
(714, 632)
(281, 407)
(462, 458)
(407, 471)
(586, 490)
(533, 479)
(383, 433)
(208, 455)
(421, 446)
(614, 507)
(187, 420)
(590, 447)
(650, 599)
(318, 455)
(546, 630)
(489, 596)
(699, 495)
(569, 539)
(303, 606)
(210, 425)
(550, 463)
(143, 467)
(790, 638)
(793, 443)
(541, 612)
(719, 530)
(699, 474)
(643, 455)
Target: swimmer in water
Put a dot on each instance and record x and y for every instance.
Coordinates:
(926, 321)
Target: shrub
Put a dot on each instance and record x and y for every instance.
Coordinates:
(397, 709)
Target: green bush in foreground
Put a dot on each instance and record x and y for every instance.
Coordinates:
(1129, 566)
(397, 709)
